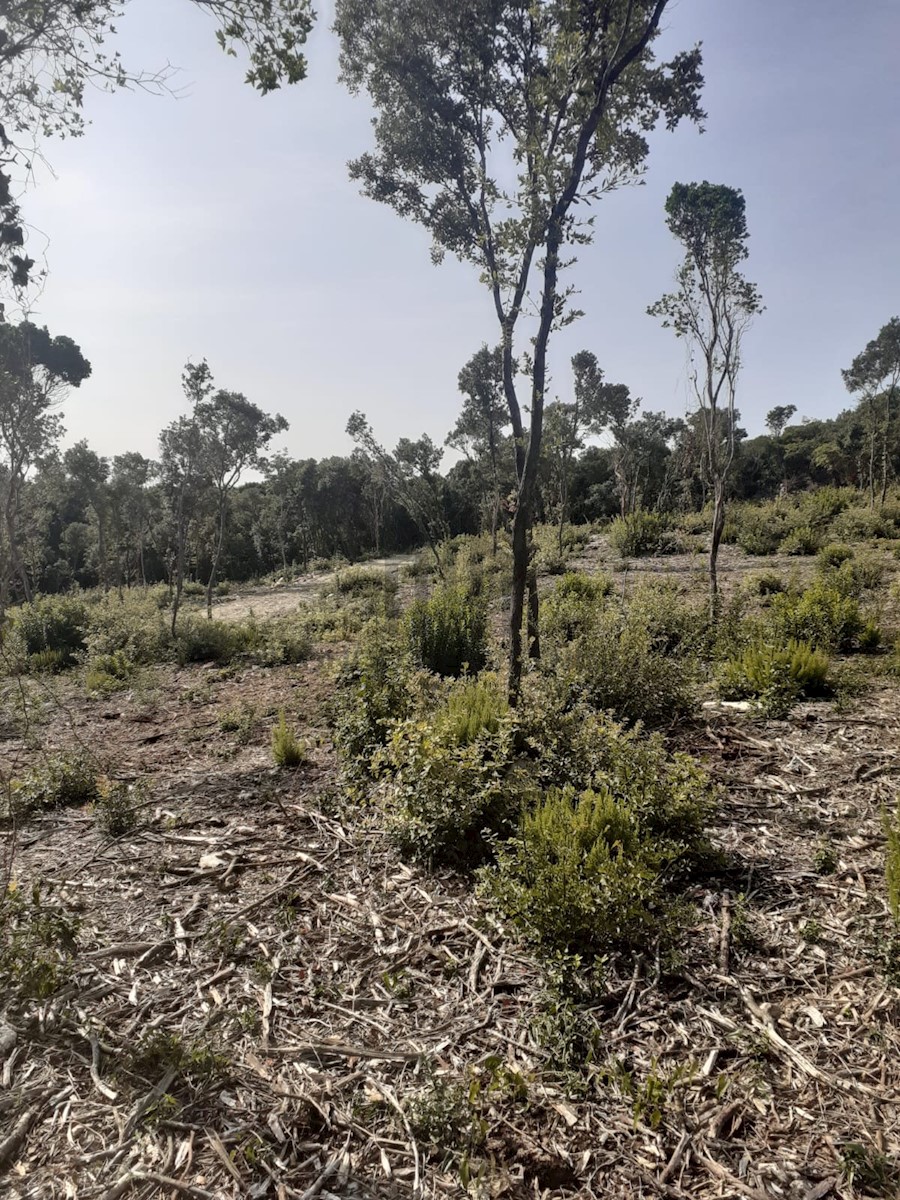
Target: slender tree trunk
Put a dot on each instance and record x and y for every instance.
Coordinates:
(220, 539)
(181, 538)
(101, 550)
(718, 527)
(885, 457)
(871, 452)
(521, 525)
(16, 565)
(534, 636)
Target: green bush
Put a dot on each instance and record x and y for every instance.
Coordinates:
(862, 524)
(287, 749)
(109, 672)
(621, 665)
(597, 871)
(758, 531)
(372, 691)
(62, 780)
(474, 706)
(286, 639)
(821, 505)
(201, 640)
(447, 633)
(446, 798)
(801, 540)
(766, 583)
(833, 555)
(365, 581)
(641, 533)
(116, 807)
(52, 629)
(572, 605)
(774, 675)
(675, 624)
(135, 627)
(823, 615)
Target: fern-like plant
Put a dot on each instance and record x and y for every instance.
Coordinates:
(287, 749)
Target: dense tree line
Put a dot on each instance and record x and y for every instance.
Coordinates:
(75, 518)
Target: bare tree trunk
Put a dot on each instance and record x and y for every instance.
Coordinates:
(534, 637)
(517, 606)
(181, 538)
(220, 539)
(885, 457)
(718, 527)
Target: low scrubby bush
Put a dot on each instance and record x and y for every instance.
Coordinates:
(109, 672)
(574, 603)
(621, 665)
(62, 780)
(372, 691)
(774, 675)
(802, 540)
(641, 533)
(447, 633)
(766, 583)
(201, 640)
(833, 555)
(365, 581)
(823, 615)
(451, 784)
(860, 524)
(53, 630)
(598, 870)
(287, 749)
(675, 623)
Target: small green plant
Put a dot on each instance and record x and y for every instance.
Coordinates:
(474, 706)
(197, 1063)
(109, 672)
(447, 633)
(372, 692)
(445, 1116)
(201, 640)
(811, 932)
(802, 540)
(869, 1171)
(823, 616)
(775, 676)
(239, 720)
(825, 859)
(37, 943)
(892, 863)
(287, 749)
(766, 583)
(833, 555)
(116, 806)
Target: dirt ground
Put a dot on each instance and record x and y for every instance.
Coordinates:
(283, 597)
(262, 1000)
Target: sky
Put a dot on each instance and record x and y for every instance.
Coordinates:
(223, 224)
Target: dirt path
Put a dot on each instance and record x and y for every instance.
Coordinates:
(280, 598)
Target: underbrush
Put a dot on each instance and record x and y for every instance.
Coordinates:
(59, 781)
(447, 633)
(775, 676)
(642, 533)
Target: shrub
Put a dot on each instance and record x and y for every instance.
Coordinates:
(823, 615)
(892, 863)
(640, 533)
(37, 942)
(862, 524)
(201, 640)
(287, 749)
(474, 706)
(448, 632)
(109, 672)
(62, 780)
(286, 639)
(616, 664)
(240, 720)
(594, 871)
(445, 798)
(572, 605)
(673, 623)
(116, 807)
(858, 575)
(775, 675)
(52, 629)
(373, 690)
(365, 581)
(833, 555)
(136, 628)
(821, 505)
(758, 530)
(766, 583)
(802, 540)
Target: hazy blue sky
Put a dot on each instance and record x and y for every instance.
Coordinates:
(223, 224)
